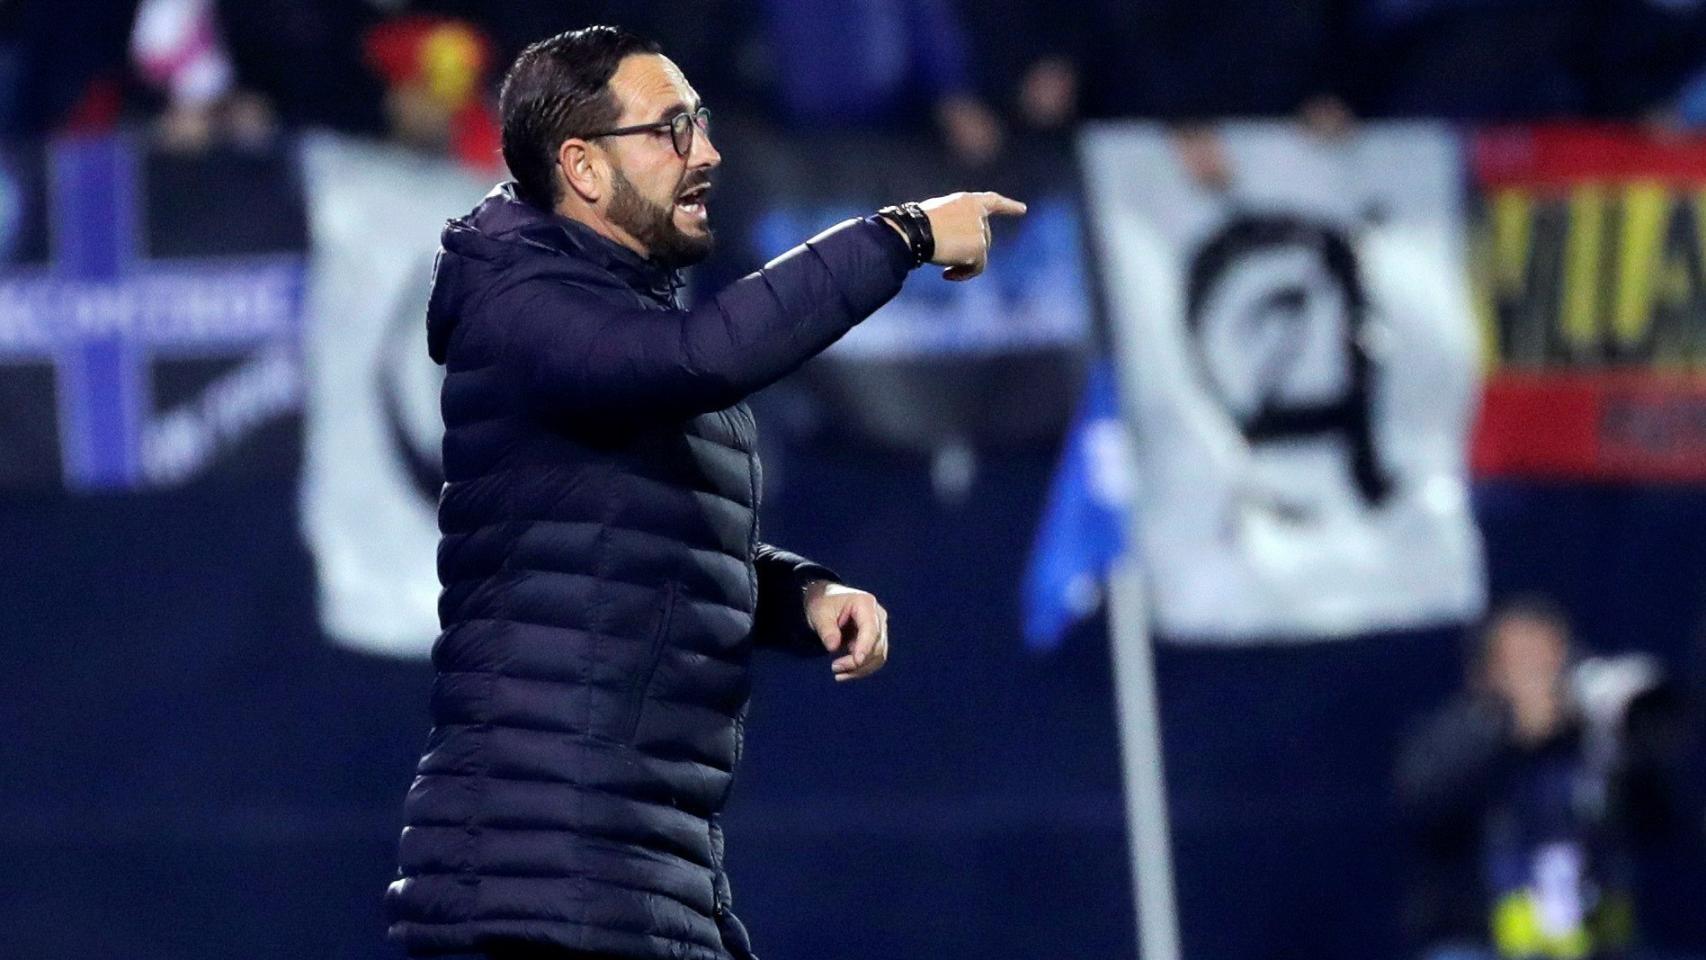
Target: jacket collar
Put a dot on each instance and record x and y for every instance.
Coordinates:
(552, 231)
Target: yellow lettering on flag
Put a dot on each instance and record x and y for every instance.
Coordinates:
(1646, 209)
(1505, 277)
(1583, 253)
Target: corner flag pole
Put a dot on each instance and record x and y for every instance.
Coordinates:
(1140, 739)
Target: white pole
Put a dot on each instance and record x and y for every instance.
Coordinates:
(1140, 751)
(1106, 179)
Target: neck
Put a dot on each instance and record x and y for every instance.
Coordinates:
(578, 210)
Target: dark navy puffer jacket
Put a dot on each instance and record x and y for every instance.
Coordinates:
(604, 585)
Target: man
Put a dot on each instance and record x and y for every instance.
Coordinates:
(604, 584)
(1525, 794)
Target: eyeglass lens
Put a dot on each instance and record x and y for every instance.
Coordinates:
(681, 129)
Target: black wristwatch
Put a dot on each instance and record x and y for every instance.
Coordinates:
(915, 223)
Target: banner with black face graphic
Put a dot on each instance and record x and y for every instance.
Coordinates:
(372, 469)
(1298, 353)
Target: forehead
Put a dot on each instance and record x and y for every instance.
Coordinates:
(647, 85)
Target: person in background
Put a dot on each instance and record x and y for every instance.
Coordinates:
(1527, 794)
(1192, 66)
(1642, 55)
(66, 64)
(890, 65)
(306, 57)
(728, 63)
(1187, 62)
(1030, 60)
(1687, 109)
(179, 51)
(1478, 60)
(436, 77)
(1653, 64)
(1533, 60)
(1673, 869)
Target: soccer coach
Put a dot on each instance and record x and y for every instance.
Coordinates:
(604, 584)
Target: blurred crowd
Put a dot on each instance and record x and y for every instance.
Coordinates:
(973, 74)
(1530, 797)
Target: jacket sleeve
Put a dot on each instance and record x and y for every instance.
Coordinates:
(577, 352)
(1449, 769)
(780, 623)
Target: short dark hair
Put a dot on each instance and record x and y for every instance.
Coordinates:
(557, 89)
(1532, 608)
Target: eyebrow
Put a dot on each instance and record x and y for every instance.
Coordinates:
(670, 111)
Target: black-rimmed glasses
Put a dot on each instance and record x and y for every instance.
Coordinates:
(680, 129)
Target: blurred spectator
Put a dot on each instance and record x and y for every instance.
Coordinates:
(68, 60)
(880, 64)
(272, 38)
(1656, 66)
(306, 58)
(12, 64)
(1203, 156)
(514, 24)
(1527, 793)
(1688, 108)
(1517, 60)
(1479, 59)
(1674, 871)
(315, 58)
(721, 44)
(1185, 61)
(1030, 58)
(718, 43)
(437, 78)
(1641, 53)
(178, 51)
(176, 47)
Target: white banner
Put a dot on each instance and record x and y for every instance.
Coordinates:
(372, 470)
(1298, 358)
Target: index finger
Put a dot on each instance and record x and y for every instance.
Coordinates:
(1004, 206)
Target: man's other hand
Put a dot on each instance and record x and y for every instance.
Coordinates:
(960, 223)
(851, 623)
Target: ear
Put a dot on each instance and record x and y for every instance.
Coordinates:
(582, 169)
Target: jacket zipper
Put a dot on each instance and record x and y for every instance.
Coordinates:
(643, 680)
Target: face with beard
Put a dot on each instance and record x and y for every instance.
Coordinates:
(656, 196)
(654, 225)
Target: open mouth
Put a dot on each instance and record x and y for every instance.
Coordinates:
(693, 201)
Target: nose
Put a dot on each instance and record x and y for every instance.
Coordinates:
(703, 154)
